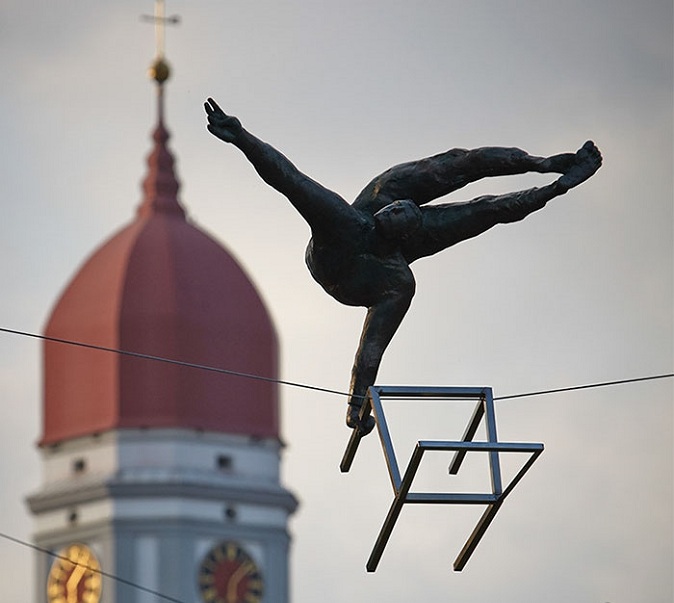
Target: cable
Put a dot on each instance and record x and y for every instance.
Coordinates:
(202, 367)
(304, 385)
(588, 386)
(91, 569)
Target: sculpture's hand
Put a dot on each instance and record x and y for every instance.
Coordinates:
(225, 127)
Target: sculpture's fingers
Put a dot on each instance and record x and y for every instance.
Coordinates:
(215, 107)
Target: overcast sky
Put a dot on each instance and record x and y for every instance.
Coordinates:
(578, 293)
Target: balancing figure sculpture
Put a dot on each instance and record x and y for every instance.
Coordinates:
(360, 253)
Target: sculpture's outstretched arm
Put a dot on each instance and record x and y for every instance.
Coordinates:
(381, 323)
(319, 206)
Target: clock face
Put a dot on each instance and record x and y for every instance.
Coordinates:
(228, 574)
(74, 576)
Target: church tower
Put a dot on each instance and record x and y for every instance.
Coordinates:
(163, 475)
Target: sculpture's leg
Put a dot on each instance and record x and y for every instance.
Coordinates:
(381, 323)
(433, 177)
(448, 224)
(441, 174)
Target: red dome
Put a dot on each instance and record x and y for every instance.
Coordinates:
(160, 287)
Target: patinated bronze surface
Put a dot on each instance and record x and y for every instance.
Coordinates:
(360, 253)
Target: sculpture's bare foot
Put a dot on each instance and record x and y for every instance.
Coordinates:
(588, 161)
(364, 426)
(559, 164)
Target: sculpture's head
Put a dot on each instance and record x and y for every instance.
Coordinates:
(398, 219)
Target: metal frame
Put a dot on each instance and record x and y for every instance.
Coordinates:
(402, 484)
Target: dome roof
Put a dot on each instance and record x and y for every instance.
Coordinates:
(164, 288)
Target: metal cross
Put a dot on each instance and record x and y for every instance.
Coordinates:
(160, 22)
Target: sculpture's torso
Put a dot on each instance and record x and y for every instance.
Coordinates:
(360, 272)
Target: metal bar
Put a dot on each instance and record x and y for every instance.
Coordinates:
(385, 437)
(449, 393)
(384, 534)
(441, 498)
(494, 464)
(411, 470)
(354, 441)
(350, 452)
(394, 511)
(439, 445)
(536, 453)
(490, 513)
(468, 436)
(476, 536)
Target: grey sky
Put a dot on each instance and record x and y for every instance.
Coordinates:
(579, 292)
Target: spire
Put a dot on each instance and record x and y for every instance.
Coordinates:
(161, 185)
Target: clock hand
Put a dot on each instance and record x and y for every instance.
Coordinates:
(233, 582)
(75, 577)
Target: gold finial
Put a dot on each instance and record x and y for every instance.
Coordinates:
(160, 71)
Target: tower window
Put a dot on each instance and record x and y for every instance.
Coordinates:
(79, 465)
(230, 513)
(73, 516)
(224, 462)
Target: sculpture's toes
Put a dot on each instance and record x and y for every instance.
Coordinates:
(588, 161)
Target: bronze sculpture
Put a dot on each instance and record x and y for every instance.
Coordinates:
(360, 253)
